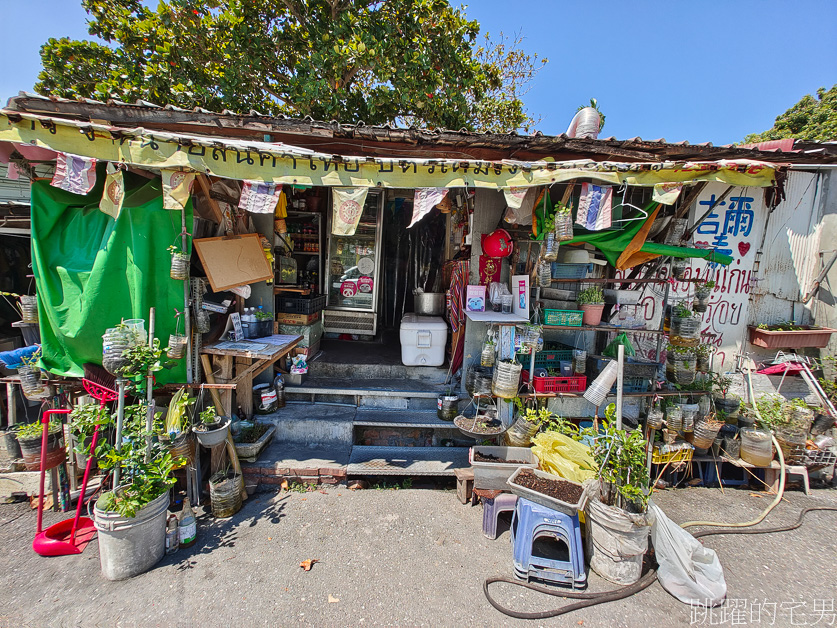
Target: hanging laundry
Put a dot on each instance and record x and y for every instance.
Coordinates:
(74, 174)
(666, 193)
(259, 197)
(595, 207)
(114, 192)
(346, 206)
(424, 200)
(177, 186)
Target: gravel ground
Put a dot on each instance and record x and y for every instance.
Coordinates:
(397, 557)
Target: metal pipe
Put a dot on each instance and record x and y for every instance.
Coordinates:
(149, 411)
(120, 419)
(187, 323)
(620, 380)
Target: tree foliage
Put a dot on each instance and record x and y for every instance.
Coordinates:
(809, 119)
(377, 61)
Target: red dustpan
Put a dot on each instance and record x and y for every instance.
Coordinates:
(72, 535)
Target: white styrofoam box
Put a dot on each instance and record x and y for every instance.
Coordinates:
(423, 340)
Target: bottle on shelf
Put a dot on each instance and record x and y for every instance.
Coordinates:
(187, 526)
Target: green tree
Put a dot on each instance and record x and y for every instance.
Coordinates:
(809, 119)
(379, 61)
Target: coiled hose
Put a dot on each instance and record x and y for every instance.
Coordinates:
(593, 599)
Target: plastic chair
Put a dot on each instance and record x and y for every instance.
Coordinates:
(491, 509)
(547, 545)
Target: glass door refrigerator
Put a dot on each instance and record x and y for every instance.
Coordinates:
(353, 273)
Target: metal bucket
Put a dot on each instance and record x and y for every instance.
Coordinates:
(429, 303)
(131, 546)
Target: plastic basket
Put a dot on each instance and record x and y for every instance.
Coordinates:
(679, 455)
(632, 385)
(633, 369)
(818, 458)
(300, 305)
(570, 271)
(575, 383)
(567, 318)
(550, 357)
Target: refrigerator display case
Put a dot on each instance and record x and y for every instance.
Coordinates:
(352, 273)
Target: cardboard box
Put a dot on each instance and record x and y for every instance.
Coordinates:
(308, 352)
(297, 319)
(311, 334)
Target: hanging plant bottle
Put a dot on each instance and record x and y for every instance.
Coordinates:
(114, 342)
(487, 355)
(31, 381)
(29, 308)
(177, 346)
(545, 274)
(550, 253)
(679, 268)
(563, 225)
(179, 265)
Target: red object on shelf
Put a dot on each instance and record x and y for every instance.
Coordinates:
(574, 383)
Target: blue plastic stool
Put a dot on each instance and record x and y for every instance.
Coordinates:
(532, 525)
(491, 509)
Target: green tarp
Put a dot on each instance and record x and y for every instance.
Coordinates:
(92, 271)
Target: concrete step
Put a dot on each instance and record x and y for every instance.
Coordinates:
(407, 461)
(320, 368)
(291, 462)
(377, 393)
(369, 417)
(312, 423)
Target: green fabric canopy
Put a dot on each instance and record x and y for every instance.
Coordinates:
(92, 271)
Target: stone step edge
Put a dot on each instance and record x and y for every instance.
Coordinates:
(361, 392)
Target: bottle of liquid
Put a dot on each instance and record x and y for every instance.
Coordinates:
(172, 535)
(187, 527)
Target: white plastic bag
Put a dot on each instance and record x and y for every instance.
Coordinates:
(689, 571)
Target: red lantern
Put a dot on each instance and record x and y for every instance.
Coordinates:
(498, 243)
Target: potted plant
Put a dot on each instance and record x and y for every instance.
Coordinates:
(679, 268)
(264, 324)
(591, 301)
(563, 220)
(550, 241)
(131, 518)
(177, 341)
(702, 292)
(680, 364)
(179, 263)
(31, 377)
(175, 434)
(212, 429)
(30, 438)
(789, 335)
(702, 353)
(725, 401)
(84, 419)
(250, 441)
(685, 327)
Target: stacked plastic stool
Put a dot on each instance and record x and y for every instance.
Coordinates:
(531, 525)
(491, 509)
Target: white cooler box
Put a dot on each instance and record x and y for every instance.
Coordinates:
(423, 340)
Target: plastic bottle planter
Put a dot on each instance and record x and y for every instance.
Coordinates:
(690, 411)
(705, 433)
(471, 378)
(680, 368)
(179, 266)
(730, 406)
(701, 302)
(702, 363)
(177, 346)
(225, 494)
(31, 381)
(679, 268)
(550, 242)
(655, 419)
(677, 231)
(506, 379)
(483, 380)
(674, 418)
(792, 441)
(563, 226)
(592, 313)
(756, 447)
(447, 407)
(685, 332)
(801, 418)
(545, 274)
(487, 355)
(579, 362)
(202, 325)
(115, 341)
(29, 308)
(731, 447)
(521, 432)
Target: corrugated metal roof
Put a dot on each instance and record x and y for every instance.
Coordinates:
(142, 113)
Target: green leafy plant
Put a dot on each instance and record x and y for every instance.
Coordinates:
(593, 295)
(30, 431)
(263, 316)
(681, 311)
(84, 419)
(772, 412)
(31, 360)
(177, 418)
(783, 326)
(208, 415)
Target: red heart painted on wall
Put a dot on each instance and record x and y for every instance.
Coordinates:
(743, 247)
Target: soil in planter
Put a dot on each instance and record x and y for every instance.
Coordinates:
(252, 434)
(487, 426)
(559, 489)
(209, 427)
(478, 457)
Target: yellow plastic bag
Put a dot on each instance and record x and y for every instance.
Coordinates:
(563, 456)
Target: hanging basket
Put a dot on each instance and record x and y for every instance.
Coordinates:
(550, 253)
(177, 346)
(179, 266)
(29, 308)
(31, 381)
(114, 343)
(563, 226)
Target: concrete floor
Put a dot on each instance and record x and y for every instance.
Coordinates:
(396, 557)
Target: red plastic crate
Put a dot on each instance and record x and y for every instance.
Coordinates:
(575, 383)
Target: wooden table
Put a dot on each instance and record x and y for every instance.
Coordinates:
(241, 364)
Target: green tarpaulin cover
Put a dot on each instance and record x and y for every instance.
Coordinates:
(92, 271)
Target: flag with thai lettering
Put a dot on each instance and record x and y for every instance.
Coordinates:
(74, 173)
(177, 186)
(595, 207)
(259, 197)
(424, 200)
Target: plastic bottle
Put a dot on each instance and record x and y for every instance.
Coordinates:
(187, 527)
(279, 387)
(172, 535)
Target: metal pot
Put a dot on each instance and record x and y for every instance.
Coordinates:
(429, 303)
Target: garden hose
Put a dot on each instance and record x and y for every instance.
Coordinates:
(592, 599)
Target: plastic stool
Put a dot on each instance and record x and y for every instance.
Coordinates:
(491, 509)
(532, 522)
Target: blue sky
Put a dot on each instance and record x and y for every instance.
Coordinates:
(710, 71)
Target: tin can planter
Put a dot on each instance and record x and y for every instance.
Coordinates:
(29, 308)
(31, 382)
(114, 343)
(30, 449)
(592, 313)
(179, 266)
(177, 346)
